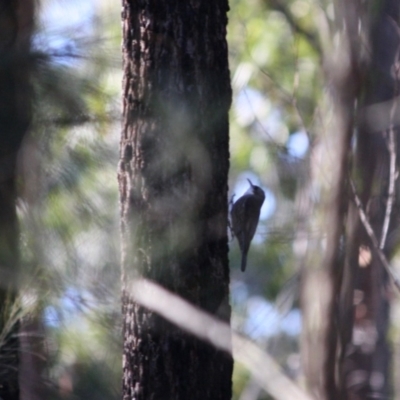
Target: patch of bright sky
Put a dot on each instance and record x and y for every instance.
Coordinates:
(52, 317)
(242, 75)
(264, 320)
(74, 302)
(297, 144)
(62, 22)
(240, 292)
(251, 105)
(61, 15)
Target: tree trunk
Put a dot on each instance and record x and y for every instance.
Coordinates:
(346, 290)
(16, 25)
(366, 354)
(323, 261)
(173, 191)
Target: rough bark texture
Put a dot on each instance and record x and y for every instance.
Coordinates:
(173, 191)
(16, 25)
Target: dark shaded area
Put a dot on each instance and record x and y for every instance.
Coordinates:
(16, 25)
(174, 191)
(365, 351)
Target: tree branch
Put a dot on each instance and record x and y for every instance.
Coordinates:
(391, 143)
(372, 236)
(391, 189)
(262, 366)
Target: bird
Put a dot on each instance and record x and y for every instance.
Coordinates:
(245, 214)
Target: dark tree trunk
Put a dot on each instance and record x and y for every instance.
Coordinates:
(173, 191)
(366, 359)
(16, 25)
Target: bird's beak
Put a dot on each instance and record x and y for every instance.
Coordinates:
(250, 183)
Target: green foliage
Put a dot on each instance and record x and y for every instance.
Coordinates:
(69, 212)
(277, 87)
(277, 83)
(70, 229)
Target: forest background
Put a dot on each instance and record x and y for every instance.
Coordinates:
(69, 209)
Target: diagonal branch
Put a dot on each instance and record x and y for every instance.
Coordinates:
(178, 311)
(372, 236)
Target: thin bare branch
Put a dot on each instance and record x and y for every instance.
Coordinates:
(391, 188)
(372, 236)
(272, 143)
(288, 98)
(392, 150)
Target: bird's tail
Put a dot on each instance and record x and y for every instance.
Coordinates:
(244, 261)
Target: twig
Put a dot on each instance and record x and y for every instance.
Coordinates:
(372, 236)
(271, 141)
(391, 189)
(288, 98)
(392, 151)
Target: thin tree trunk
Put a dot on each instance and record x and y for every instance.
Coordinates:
(323, 277)
(366, 358)
(16, 25)
(173, 191)
(348, 330)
